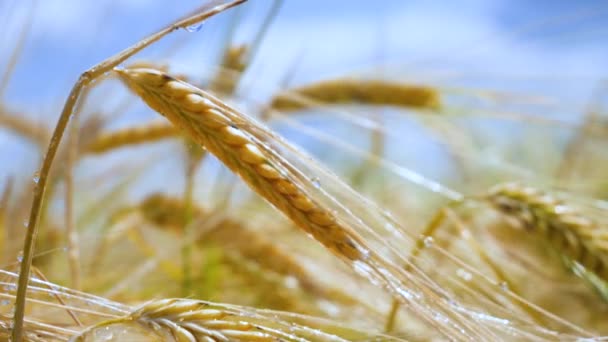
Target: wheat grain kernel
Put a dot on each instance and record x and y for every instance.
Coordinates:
(181, 334)
(213, 118)
(302, 203)
(267, 172)
(321, 218)
(177, 89)
(251, 154)
(285, 187)
(196, 103)
(233, 136)
(148, 75)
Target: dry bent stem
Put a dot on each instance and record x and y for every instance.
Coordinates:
(85, 80)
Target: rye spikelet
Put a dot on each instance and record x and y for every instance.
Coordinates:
(572, 234)
(350, 91)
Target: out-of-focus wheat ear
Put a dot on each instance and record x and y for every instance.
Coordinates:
(131, 136)
(253, 245)
(232, 65)
(19, 124)
(357, 91)
(166, 212)
(83, 82)
(566, 229)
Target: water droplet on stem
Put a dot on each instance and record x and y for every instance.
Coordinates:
(194, 28)
(504, 286)
(428, 241)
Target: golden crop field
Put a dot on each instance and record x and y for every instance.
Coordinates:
(303, 171)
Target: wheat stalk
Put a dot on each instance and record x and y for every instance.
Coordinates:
(349, 90)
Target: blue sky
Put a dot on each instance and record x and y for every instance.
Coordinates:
(329, 37)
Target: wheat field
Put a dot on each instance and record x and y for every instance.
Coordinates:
(232, 170)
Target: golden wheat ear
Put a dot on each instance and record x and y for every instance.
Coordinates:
(215, 126)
